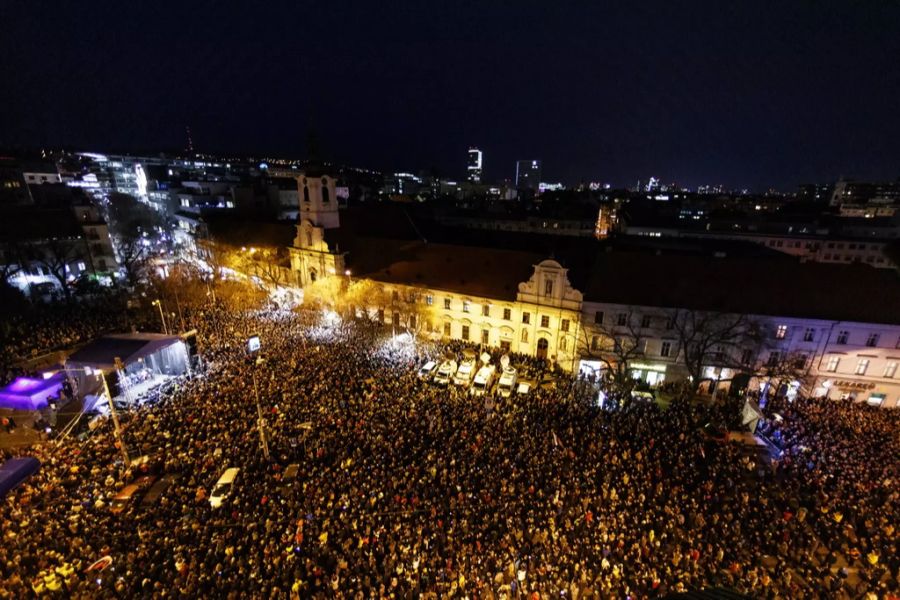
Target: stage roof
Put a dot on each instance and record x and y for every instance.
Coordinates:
(102, 352)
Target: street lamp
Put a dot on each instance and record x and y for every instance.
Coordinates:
(162, 316)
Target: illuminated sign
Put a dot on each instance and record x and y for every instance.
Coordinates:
(648, 367)
(253, 344)
(854, 385)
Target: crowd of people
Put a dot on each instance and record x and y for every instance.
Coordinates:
(41, 328)
(406, 490)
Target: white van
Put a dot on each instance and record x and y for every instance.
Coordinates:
(465, 373)
(445, 373)
(507, 384)
(483, 381)
(427, 370)
(222, 489)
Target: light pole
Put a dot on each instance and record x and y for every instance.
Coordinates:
(112, 410)
(162, 316)
(253, 345)
(259, 415)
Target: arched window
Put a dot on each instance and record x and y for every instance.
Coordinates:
(542, 348)
(325, 194)
(305, 194)
(312, 275)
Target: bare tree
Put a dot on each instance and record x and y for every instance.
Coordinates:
(10, 260)
(783, 368)
(616, 347)
(714, 339)
(56, 255)
(134, 256)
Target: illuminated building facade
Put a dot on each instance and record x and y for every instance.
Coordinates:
(311, 256)
(528, 175)
(475, 166)
(836, 344)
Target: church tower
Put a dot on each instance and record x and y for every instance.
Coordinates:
(311, 257)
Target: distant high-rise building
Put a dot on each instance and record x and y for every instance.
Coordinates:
(474, 168)
(528, 174)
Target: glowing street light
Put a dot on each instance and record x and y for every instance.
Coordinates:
(162, 316)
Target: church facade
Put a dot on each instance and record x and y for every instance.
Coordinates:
(311, 258)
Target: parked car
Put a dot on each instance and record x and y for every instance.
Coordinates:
(427, 370)
(507, 384)
(129, 494)
(465, 373)
(445, 372)
(222, 489)
(157, 490)
(484, 380)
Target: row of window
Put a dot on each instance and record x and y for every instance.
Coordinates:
(564, 324)
(465, 334)
(623, 318)
(862, 366)
(848, 258)
(842, 338)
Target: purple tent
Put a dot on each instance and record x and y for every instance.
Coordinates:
(28, 393)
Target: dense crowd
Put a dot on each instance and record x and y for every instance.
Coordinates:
(46, 328)
(406, 490)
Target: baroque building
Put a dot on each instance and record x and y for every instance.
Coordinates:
(311, 255)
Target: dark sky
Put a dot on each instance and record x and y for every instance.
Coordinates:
(749, 94)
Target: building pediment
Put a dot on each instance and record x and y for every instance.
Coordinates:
(549, 285)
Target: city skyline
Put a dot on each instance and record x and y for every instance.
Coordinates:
(742, 97)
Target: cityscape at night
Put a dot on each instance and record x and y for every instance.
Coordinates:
(450, 300)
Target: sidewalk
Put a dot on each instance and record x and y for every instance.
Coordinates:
(23, 435)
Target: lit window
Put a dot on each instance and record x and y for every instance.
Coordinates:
(890, 370)
(545, 321)
(833, 363)
(780, 332)
(861, 366)
(465, 306)
(872, 340)
(81, 266)
(429, 299)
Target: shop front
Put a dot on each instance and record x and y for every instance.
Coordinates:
(870, 392)
(653, 374)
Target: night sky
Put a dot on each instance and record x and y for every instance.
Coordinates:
(748, 94)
